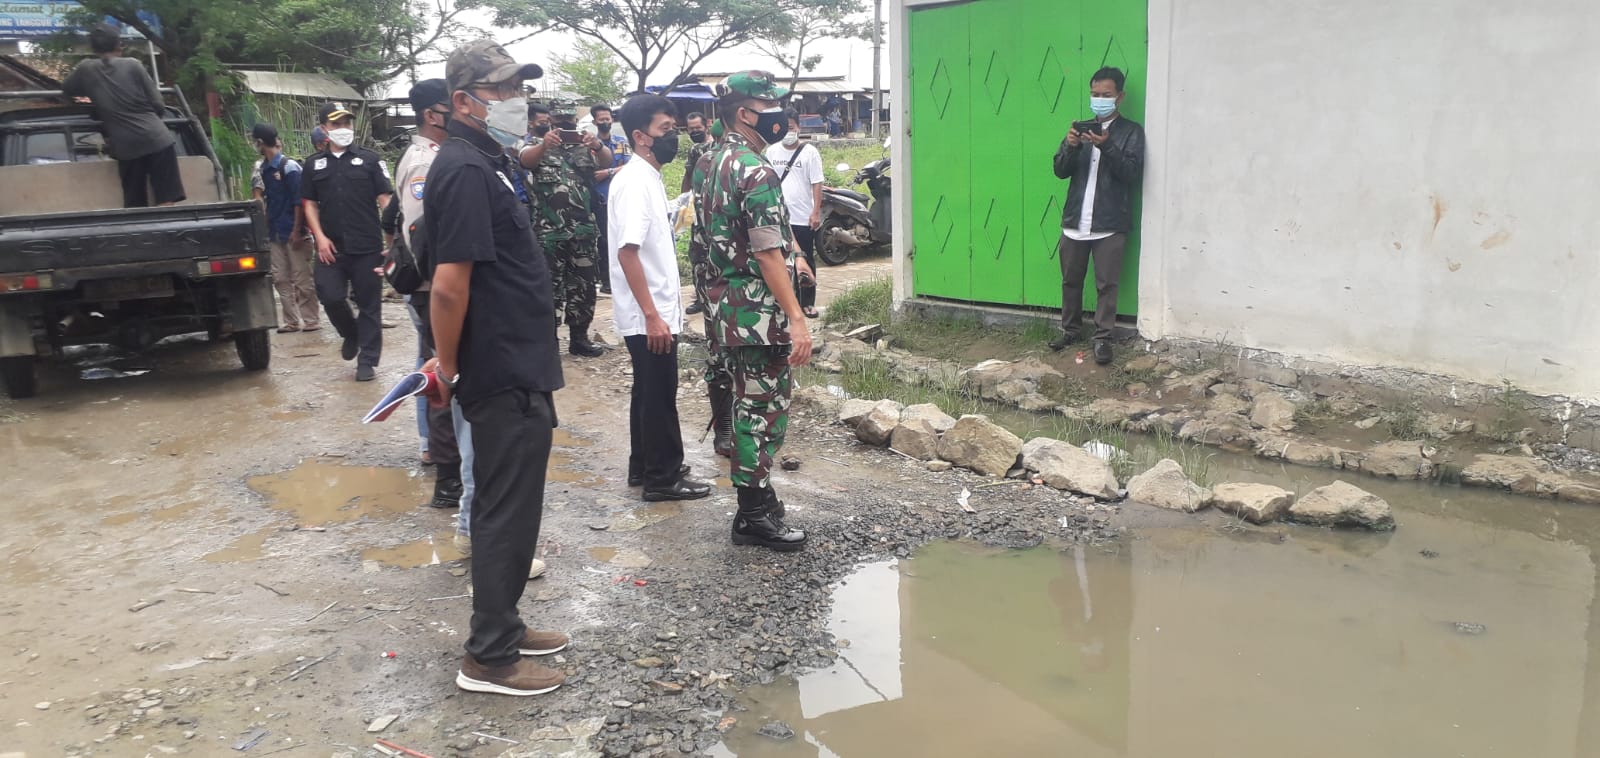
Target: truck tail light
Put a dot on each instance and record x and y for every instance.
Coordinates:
(226, 265)
(26, 282)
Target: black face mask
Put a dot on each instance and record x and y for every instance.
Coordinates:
(604, 128)
(665, 147)
(541, 130)
(697, 137)
(771, 126)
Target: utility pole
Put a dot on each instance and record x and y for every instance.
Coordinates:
(877, 69)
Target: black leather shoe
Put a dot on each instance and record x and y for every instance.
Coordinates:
(683, 489)
(1061, 343)
(696, 307)
(446, 493)
(774, 505)
(585, 349)
(366, 373)
(636, 479)
(757, 525)
(1102, 352)
(349, 349)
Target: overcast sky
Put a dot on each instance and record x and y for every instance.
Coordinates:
(851, 59)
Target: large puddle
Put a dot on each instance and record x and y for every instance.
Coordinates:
(1472, 630)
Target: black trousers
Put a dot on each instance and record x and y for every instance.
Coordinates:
(807, 239)
(511, 437)
(656, 449)
(441, 422)
(602, 262)
(354, 275)
(1075, 255)
(151, 179)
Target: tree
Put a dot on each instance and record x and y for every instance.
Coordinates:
(592, 72)
(809, 25)
(644, 33)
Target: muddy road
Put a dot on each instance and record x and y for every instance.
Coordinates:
(202, 561)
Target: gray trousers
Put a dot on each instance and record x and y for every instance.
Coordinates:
(1075, 255)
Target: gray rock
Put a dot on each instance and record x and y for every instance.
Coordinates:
(878, 425)
(1213, 429)
(1192, 387)
(1256, 503)
(1295, 450)
(1369, 422)
(1034, 402)
(930, 413)
(1144, 363)
(1342, 504)
(776, 730)
(853, 410)
(916, 438)
(977, 443)
(1507, 472)
(1268, 373)
(1441, 426)
(1166, 486)
(1018, 378)
(1113, 412)
(1064, 466)
(1273, 411)
(939, 467)
(1229, 403)
(1397, 460)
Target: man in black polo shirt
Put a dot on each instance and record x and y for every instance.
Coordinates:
(344, 187)
(494, 332)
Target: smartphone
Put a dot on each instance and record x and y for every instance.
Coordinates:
(1087, 127)
(570, 136)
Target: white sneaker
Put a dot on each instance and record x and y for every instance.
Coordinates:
(536, 569)
(463, 544)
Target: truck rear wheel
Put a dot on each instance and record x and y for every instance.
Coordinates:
(20, 379)
(255, 349)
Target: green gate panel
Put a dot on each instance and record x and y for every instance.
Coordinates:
(997, 167)
(941, 221)
(995, 86)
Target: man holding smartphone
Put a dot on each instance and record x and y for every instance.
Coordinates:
(563, 162)
(1104, 158)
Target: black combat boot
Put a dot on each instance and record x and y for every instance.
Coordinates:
(447, 486)
(722, 420)
(757, 524)
(774, 504)
(580, 346)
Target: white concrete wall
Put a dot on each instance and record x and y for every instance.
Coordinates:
(1401, 184)
(1383, 184)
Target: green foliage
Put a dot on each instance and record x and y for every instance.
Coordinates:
(237, 155)
(643, 35)
(1405, 420)
(1314, 413)
(865, 303)
(1510, 407)
(592, 72)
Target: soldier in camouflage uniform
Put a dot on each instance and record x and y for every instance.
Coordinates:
(561, 183)
(743, 238)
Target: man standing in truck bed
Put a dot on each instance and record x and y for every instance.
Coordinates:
(129, 106)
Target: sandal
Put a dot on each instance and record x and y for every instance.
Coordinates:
(810, 312)
(287, 328)
(310, 327)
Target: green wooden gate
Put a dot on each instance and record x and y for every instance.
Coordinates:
(994, 86)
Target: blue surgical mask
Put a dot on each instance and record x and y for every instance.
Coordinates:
(505, 118)
(1102, 106)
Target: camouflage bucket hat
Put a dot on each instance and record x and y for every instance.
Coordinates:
(758, 84)
(563, 108)
(486, 62)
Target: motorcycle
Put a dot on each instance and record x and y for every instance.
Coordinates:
(852, 220)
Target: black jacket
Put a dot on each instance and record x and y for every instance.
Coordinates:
(1121, 171)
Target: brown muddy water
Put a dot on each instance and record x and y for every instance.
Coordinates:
(1472, 630)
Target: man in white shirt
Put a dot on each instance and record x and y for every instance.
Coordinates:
(646, 304)
(799, 166)
(1104, 158)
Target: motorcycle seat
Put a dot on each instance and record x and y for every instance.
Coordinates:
(852, 194)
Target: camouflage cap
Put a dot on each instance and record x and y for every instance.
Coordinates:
(486, 62)
(758, 84)
(563, 108)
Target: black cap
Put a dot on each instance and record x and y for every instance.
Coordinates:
(265, 133)
(428, 93)
(332, 112)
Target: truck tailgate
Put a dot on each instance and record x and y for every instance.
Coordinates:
(127, 236)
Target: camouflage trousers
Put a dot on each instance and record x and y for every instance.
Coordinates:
(573, 276)
(762, 385)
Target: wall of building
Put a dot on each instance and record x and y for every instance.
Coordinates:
(1404, 185)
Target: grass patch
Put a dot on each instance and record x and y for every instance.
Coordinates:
(1405, 420)
(1510, 407)
(865, 303)
(1314, 413)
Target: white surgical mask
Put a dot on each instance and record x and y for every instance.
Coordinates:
(506, 119)
(1103, 106)
(790, 140)
(342, 138)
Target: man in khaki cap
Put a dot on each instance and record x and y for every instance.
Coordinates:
(494, 334)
